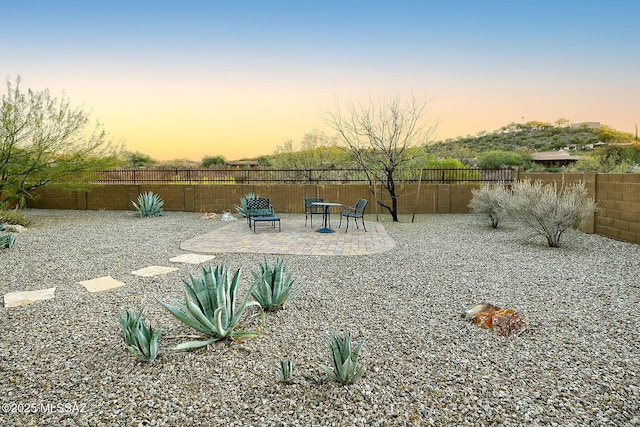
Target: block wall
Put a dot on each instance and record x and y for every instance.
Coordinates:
(617, 197)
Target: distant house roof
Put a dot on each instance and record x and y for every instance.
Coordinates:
(557, 158)
(553, 155)
(250, 163)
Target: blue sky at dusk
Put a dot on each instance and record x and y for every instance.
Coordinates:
(195, 78)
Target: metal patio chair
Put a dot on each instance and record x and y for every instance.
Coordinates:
(310, 210)
(354, 212)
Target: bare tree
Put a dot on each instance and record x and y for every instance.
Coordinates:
(385, 138)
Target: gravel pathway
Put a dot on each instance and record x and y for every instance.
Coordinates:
(62, 361)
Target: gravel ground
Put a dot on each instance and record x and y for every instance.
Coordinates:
(578, 363)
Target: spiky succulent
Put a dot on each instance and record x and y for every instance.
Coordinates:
(345, 360)
(272, 285)
(242, 209)
(285, 374)
(149, 205)
(142, 342)
(7, 240)
(211, 307)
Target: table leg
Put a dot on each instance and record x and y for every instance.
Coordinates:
(325, 228)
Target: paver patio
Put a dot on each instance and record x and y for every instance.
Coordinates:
(294, 238)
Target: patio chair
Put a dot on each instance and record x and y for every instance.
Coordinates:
(354, 212)
(260, 210)
(310, 210)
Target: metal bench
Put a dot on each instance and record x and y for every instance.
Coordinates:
(260, 210)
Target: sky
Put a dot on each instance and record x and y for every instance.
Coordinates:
(189, 79)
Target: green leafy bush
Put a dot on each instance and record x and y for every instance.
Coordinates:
(489, 200)
(149, 205)
(498, 158)
(345, 360)
(272, 285)
(549, 211)
(14, 217)
(7, 241)
(285, 374)
(142, 342)
(242, 209)
(208, 161)
(211, 307)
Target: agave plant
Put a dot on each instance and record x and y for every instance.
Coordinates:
(149, 205)
(272, 285)
(7, 241)
(285, 374)
(211, 307)
(345, 360)
(242, 209)
(142, 342)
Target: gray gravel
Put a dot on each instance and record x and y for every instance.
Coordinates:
(577, 364)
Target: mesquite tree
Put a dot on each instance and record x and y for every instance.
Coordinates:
(384, 138)
(43, 141)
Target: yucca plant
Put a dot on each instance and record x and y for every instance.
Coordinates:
(272, 285)
(345, 360)
(285, 374)
(149, 205)
(211, 307)
(242, 209)
(142, 342)
(7, 241)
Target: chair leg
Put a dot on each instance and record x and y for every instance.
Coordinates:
(339, 225)
(363, 226)
(347, 227)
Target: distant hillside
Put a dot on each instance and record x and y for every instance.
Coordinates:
(530, 137)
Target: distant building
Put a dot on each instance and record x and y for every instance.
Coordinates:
(554, 158)
(243, 164)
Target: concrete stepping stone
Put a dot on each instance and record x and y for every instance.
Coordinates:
(18, 299)
(101, 284)
(154, 270)
(192, 258)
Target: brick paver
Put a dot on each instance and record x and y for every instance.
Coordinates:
(294, 238)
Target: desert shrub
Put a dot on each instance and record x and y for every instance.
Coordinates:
(14, 217)
(142, 342)
(272, 285)
(211, 307)
(345, 367)
(208, 161)
(548, 210)
(149, 205)
(489, 200)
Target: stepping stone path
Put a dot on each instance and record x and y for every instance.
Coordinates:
(192, 258)
(101, 284)
(18, 299)
(154, 270)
